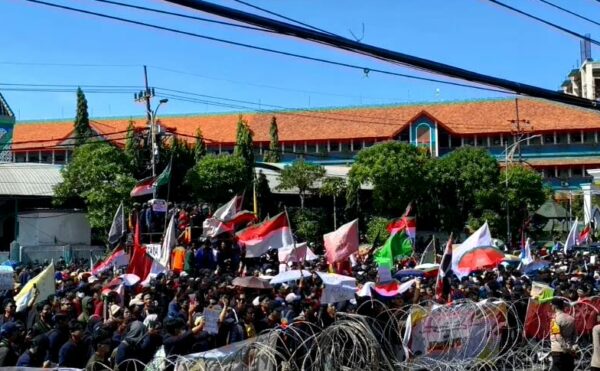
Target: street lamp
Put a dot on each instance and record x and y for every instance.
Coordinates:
(153, 135)
(509, 152)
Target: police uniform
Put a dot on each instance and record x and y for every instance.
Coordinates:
(562, 341)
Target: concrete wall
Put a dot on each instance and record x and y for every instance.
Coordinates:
(53, 228)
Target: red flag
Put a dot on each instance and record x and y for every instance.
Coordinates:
(274, 233)
(585, 234)
(405, 222)
(140, 263)
(143, 187)
(445, 267)
(117, 259)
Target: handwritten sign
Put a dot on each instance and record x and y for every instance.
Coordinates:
(337, 293)
(154, 250)
(211, 320)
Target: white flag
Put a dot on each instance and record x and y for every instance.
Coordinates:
(572, 237)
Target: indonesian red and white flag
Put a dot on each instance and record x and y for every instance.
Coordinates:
(342, 242)
(584, 236)
(404, 223)
(117, 259)
(273, 233)
(143, 187)
(228, 211)
(212, 227)
(140, 262)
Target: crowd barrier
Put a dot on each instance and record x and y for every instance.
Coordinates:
(464, 335)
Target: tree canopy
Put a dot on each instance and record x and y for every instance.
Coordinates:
(302, 176)
(97, 174)
(465, 183)
(217, 178)
(397, 172)
(199, 146)
(244, 147)
(81, 125)
(274, 153)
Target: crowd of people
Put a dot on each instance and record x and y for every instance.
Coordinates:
(84, 325)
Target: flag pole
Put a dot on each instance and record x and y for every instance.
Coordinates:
(287, 216)
(169, 190)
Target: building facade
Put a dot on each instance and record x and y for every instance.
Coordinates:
(560, 141)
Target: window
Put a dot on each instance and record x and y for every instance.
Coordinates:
(404, 136)
(455, 141)
(562, 138)
(443, 138)
(589, 137)
(46, 158)
(311, 147)
(577, 171)
(59, 158)
(470, 140)
(369, 143)
(423, 135)
(563, 173)
(549, 139)
(345, 147)
(481, 141)
(334, 146)
(576, 137)
(357, 144)
(496, 141)
(542, 173)
(19, 157)
(34, 157)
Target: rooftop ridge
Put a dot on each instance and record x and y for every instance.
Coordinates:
(316, 109)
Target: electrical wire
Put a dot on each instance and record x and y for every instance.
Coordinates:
(570, 12)
(153, 10)
(282, 17)
(269, 50)
(554, 25)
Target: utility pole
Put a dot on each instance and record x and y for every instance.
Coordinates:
(146, 96)
(518, 131)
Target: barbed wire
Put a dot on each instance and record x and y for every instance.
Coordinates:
(465, 335)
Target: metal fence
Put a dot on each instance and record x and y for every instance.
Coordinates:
(31, 254)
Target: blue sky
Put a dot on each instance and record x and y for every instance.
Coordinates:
(38, 42)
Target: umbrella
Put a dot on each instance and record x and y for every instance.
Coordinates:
(427, 267)
(535, 267)
(251, 282)
(288, 276)
(130, 279)
(479, 258)
(10, 263)
(404, 273)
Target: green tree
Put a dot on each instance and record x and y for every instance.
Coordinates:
(377, 228)
(134, 153)
(464, 184)
(301, 176)
(244, 147)
(82, 121)
(181, 156)
(199, 146)
(216, 179)
(333, 187)
(264, 197)
(397, 172)
(309, 225)
(274, 153)
(97, 174)
(523, 188)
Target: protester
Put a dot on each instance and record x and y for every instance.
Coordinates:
(99, 322)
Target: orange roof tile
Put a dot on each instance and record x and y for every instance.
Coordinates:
(382, 122)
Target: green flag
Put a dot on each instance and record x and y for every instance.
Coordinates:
(398, 245)
(164, 177)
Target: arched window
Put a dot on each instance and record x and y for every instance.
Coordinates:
(424, 136)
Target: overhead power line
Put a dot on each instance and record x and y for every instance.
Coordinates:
(153, 10)
(381, 53)
(570, 12)
(364, 69)
(554, 25)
